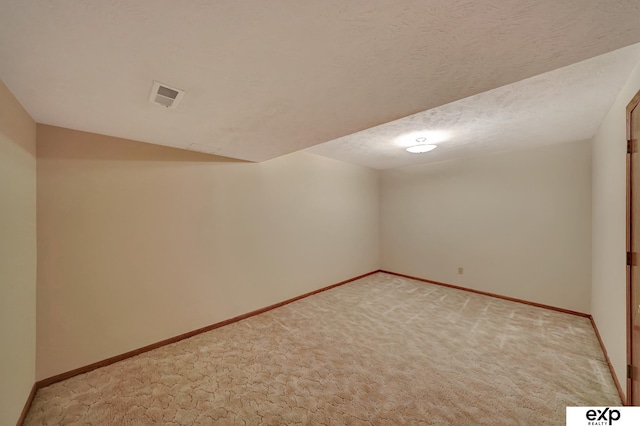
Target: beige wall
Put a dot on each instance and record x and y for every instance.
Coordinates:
(608, 292)
(519, 223)
(139, 243)
(17, 256)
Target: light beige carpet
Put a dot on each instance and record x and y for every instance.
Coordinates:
(382, 350)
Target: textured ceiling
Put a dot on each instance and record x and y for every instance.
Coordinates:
(563, 105)
(267, 78)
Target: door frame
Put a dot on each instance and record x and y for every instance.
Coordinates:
(630, 208)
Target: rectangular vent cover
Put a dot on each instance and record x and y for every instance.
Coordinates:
(165, 95)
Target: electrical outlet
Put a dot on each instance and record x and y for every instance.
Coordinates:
(460, 270)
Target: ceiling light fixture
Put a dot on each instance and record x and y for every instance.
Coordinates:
(433, 136)
(421, 147)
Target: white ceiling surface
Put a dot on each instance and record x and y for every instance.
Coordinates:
(267, 78)
(564, 105)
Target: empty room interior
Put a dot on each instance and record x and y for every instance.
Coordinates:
(221, 212)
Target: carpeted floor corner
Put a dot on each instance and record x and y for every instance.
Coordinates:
(382, 350)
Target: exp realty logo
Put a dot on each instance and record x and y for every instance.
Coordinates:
(603, 416)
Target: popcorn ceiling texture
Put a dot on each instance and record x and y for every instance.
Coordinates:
(564, 105)
(380, 350)
(267, 78)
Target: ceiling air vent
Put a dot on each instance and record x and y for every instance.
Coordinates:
(165, 95)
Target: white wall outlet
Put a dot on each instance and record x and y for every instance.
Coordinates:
(460, 270)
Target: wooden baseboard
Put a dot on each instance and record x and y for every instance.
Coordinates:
(87, 368)
(606, 357)
(108, 361)
(27, 405)
(485, 293)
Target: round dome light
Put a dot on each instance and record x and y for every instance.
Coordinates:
(419, 149)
